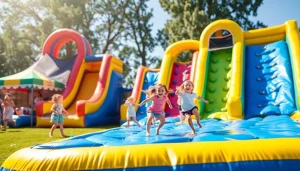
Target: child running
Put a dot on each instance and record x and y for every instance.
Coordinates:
(57, 114)
(152, 90)
(185, 91)
(131, 111)
(156, 110)
(8, 110)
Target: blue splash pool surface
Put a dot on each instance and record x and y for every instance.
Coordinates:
(281, 126)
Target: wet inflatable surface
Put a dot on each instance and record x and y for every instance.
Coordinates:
(173, 132)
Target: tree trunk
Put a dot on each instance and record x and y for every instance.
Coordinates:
(144, 60)
(69, 50)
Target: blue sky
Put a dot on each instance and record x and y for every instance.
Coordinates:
(271, 13)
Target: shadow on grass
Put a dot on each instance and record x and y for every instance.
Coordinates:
(14, 131)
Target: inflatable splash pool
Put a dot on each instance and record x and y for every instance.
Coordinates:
(271, 143)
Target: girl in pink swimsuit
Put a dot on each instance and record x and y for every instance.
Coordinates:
(156, 110)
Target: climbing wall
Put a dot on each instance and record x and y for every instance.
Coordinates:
(268, 81)
(218, 78)
(176, 80)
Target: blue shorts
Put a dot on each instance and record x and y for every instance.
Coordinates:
(156, 115)
(57, 118)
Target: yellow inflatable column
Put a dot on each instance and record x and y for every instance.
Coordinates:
(292, 36)
(235, 101)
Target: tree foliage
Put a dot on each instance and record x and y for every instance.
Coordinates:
(3, 69)
(119, 27)
(139, 39)
(190, 17)
(111, 26)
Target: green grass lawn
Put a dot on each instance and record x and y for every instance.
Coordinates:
(17, 138)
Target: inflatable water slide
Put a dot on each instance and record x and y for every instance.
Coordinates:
(170, 74)
(250, 74)
(251, 79)
(93, 89)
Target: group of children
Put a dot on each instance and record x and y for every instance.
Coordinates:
(158, 96)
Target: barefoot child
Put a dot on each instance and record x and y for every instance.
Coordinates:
(185, 91)
(130, 111)
(156, 110)
(57, 114)
(8, 110)
(152, 90)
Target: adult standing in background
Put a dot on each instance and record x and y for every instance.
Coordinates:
(38, 97)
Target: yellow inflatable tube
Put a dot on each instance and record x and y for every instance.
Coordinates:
(235, 101)
(155, 155)
(292, 36)
(170, 57)
(265, 32)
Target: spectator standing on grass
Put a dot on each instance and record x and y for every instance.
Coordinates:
(8, 110)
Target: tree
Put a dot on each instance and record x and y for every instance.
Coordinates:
(139, 41)
(119, 27)
(14, 43)
(3, 67)
(139, 29)
(30, 22)
(25, 25)
(190, 17)
(110, 25)
(98, 20)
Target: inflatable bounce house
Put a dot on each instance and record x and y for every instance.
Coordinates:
(84, 79)
(93, 91)
(252, 81)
